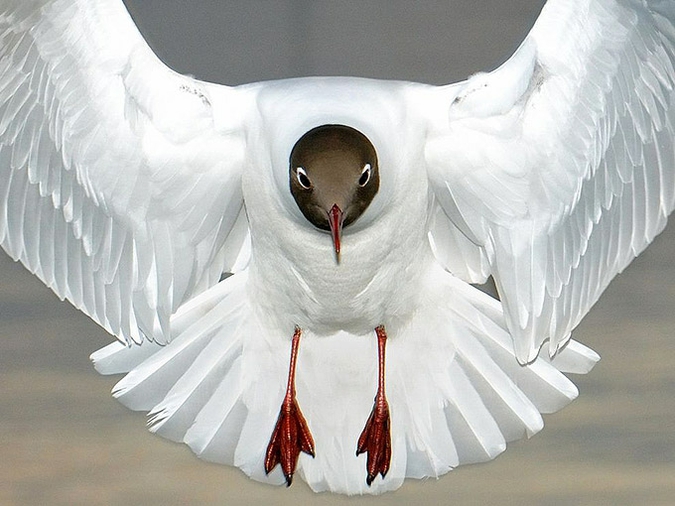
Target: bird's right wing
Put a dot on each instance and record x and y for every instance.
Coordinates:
(119, 179)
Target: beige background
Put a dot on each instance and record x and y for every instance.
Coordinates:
(64, 440)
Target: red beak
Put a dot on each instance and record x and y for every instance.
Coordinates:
(335, 219)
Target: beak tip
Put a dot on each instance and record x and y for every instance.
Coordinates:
(335, 220)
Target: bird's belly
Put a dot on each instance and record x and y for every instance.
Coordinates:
(375, 282)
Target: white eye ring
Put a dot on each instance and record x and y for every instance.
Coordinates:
(367, 172)
(303, 178)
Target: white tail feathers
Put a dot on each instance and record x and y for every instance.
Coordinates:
(456, 392)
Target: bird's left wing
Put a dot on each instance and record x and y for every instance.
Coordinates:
(119, 179)
(558, 168)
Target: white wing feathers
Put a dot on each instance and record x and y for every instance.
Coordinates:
(120, 184)
(562, 176)
(119, 188)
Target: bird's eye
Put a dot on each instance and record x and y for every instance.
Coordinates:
(365, 175)
(302, 178)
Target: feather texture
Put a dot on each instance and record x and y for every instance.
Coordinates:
(218, 385)
(118, 188)
(564, 187)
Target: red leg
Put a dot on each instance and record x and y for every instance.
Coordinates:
(291, 434)
(375, 440)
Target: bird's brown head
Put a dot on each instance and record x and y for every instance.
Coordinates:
(334, 177)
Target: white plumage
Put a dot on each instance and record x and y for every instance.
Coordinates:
(129, 189)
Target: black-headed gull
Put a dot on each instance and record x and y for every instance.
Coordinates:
(130, 189)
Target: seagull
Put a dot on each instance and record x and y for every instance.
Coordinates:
(289, 267)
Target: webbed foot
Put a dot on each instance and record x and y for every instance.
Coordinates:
(291, 434)
(375, 440)
(290, 437)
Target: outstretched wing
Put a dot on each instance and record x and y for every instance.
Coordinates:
(558, 168)
(119, 179)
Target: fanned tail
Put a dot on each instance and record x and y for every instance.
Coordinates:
(456, 392)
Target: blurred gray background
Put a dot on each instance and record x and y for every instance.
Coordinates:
(64, 440)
